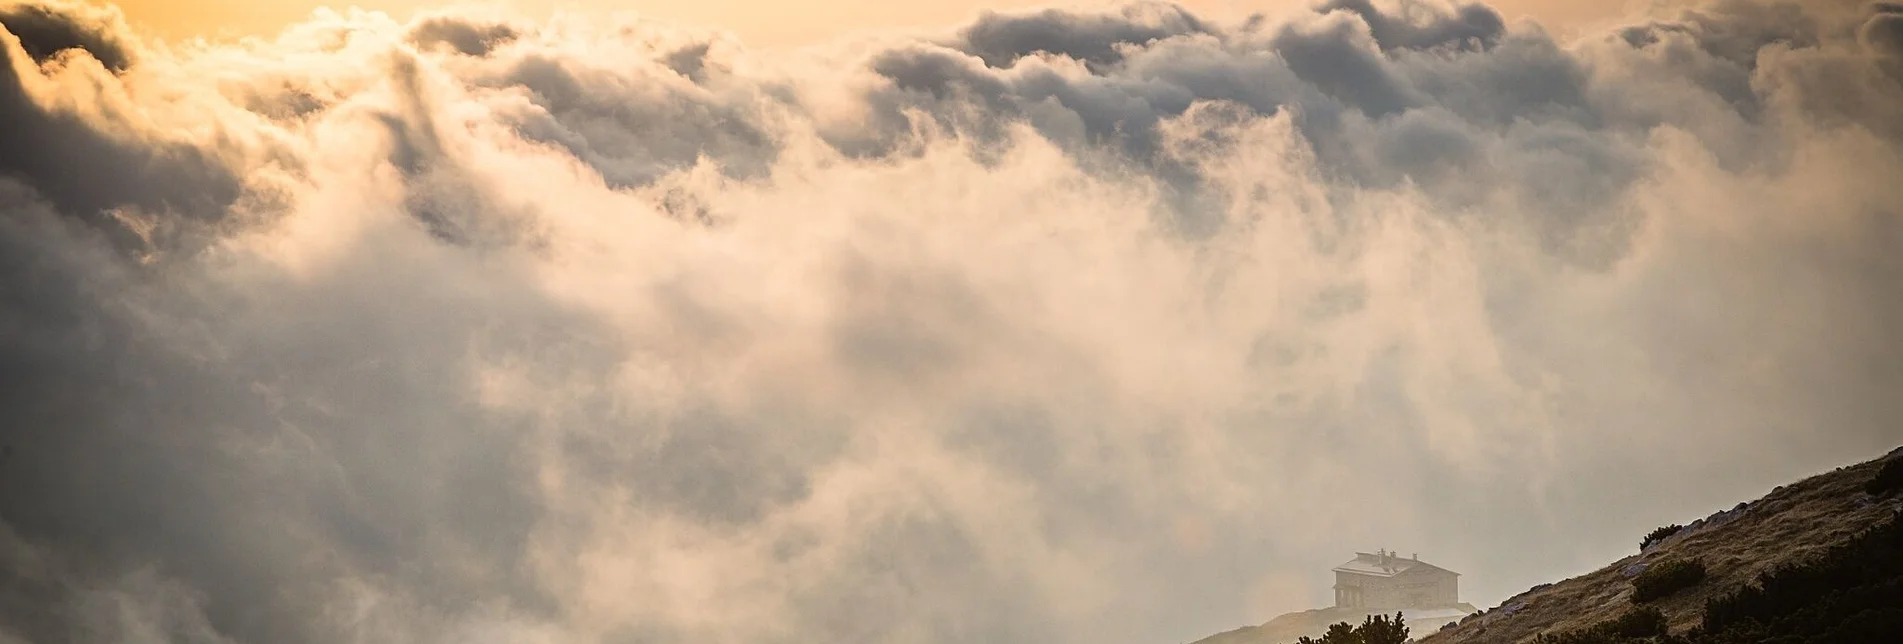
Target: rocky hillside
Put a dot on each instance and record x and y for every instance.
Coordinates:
(1796, 522)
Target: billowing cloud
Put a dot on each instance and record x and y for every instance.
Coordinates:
(467, 37)
(1071, 325)
(45, 31)
(1096, 39)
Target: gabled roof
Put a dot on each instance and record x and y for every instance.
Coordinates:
(1367, 563)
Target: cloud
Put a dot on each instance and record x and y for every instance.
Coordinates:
(1076, 325)
(46, 31)
(66, 149)
(1883, 32)
(1096, 39)
(1467, 26)
(465, 37)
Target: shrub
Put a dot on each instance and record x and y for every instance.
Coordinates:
(1666, 578)
(1639, 624)
(1658, 535)
(1888, 479)
(1640, 621)
(1376, 629)
(1580, 636)
(1850, 594)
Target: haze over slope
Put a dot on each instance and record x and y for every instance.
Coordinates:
(1064, 326)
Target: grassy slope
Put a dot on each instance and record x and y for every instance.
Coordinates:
(1793, 522)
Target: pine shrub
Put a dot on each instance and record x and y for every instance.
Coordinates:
(1658, 535)
(1889, 479)
(1639, 624)
(1376, 629)
(1665, 578)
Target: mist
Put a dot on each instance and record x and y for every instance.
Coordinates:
(1113, 325)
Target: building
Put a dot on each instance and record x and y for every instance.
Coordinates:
(1385, 581)
(1379, 583)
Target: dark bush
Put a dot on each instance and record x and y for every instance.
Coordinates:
(1640, 621)
(1665, 578)
(1376, 629)
(1889, 479)
(1580, 636)
(1853, 593)
(1639, 624)
(1658, 535)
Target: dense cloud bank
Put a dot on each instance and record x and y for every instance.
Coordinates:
(1063, 326)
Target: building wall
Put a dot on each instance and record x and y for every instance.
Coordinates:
(1367, 591)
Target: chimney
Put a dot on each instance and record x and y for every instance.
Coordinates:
(1417, 556)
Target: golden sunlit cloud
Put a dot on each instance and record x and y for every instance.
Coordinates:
(1114, 323)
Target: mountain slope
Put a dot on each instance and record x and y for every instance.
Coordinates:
(1793, 523)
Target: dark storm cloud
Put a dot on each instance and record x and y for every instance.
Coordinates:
(71, 349)
(1044, 331)
(1735, 30)
(690, 61)
(46, 30)
(1525, 78)
(470, 38)
(1468, 26)
(229, 476)
(1097, 39)
(1359, 99)
(1329, 57)
(635, 120)
(1718, 46)
(88, 163)
(1841, 77)
(1883, 32)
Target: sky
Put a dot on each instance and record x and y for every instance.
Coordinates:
(763, 24)
(1110, 323)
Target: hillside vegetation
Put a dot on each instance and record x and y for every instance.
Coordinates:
(1818, 561)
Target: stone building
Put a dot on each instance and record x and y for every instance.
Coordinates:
(1384, 581)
